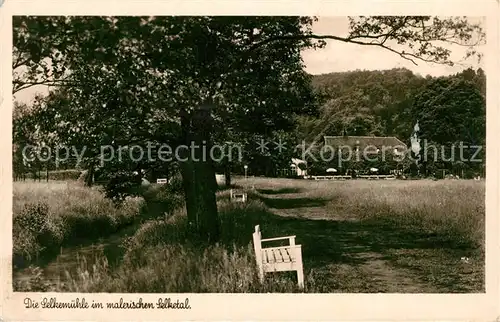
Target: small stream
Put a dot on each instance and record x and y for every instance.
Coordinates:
(83, 254)
(70, 258)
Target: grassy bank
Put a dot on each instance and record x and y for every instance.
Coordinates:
(162, 257)
(48, 215)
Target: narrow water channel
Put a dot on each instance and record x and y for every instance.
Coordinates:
(71, 258)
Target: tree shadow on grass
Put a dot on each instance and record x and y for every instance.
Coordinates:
(329, 243)
(291, 203)
(339, 241)
(279, 191)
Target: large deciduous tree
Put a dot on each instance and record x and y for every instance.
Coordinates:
(452, 116)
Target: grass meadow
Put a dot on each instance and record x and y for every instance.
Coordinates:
(357, 236)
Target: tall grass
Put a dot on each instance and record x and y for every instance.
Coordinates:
(453, 209)
(162, 257)
(47, 215)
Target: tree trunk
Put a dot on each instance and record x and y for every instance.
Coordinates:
(139, 173)
(198, 175)
(227, 173)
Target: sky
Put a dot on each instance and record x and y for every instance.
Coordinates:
(340, 57)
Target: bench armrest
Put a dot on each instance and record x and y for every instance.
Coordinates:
(282, 247)
(290, 238)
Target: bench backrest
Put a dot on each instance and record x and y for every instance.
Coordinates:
(277, 259)
(238, 194)
(257, 244)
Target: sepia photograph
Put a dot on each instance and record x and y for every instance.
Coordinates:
(165, 154)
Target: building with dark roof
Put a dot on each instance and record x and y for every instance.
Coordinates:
(369, 144)
(368, 148)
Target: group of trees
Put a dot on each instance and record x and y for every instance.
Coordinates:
(450, 110)
(123, 81)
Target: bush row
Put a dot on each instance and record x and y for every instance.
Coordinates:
(56, 175)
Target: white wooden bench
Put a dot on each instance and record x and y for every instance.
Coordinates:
(278, 259)
(238, 196)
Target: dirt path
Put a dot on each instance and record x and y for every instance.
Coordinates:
(347, 255)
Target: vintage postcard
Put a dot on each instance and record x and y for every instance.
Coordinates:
(307, 161)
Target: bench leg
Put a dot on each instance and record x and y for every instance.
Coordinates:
(300, 277)
(261, 274)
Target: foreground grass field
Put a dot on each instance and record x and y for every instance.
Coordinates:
(357, 236)
(385, 236)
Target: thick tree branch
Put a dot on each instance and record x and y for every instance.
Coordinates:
(353, 40)
(20, 85)
(395, 28)
(19, 62)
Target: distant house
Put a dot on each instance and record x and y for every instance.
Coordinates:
(361, 147)
(367, 144)
(296, 166)
(297, 169)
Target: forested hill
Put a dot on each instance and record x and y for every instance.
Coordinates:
(389, 102)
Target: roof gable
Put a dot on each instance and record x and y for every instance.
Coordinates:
(362, 142)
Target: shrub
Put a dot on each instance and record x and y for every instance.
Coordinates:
(32, 218)
(122, 184)
(175, 185)
(35, 283)
(162, 199)
(31, 228)
(64, 175)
